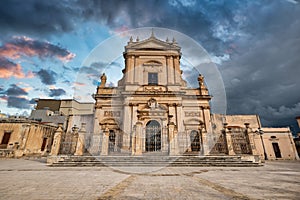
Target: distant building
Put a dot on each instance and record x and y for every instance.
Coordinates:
(2, 115)
(278, 143)
(22, 137)
(297, 139)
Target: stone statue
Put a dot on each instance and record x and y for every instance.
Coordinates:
(152, 104)
(103, 80)
(201, 80)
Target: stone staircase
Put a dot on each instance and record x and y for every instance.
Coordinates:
(150, 161)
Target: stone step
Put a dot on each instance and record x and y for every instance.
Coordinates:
(75, 164)
(136, 161)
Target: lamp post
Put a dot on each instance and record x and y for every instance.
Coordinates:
(261, 132)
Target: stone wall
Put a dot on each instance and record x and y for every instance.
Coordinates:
(273, 138)
(25, 137)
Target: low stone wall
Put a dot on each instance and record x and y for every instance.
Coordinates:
(7, 153)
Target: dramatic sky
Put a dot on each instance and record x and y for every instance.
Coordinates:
(255, 45)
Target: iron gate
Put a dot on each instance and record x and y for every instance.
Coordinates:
(153, 136)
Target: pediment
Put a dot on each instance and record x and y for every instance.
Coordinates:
(152, 43)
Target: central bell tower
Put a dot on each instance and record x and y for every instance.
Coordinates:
(152, 62)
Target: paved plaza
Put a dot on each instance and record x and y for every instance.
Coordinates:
(32, 179)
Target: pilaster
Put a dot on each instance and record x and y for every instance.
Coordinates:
(177, 71)
(250, 136)
(104, 149)
(139, 140)
(173, 144)
(130, 69)
(228, 140)
(81, 141)
(205, 144)
(74, 139)
(127, 116)
(57, 140)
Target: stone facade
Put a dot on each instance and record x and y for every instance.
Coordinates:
(152, 109)
(278, 144)
(297, 139)
(23, 137)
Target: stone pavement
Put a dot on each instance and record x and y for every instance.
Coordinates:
(32, 179)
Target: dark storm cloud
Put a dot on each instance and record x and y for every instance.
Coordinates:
(23, 46)
(56, 92)
(14, 90)
(37, 17)
(263, 77)
(18, 102)
(194, 18)
(47, 77)
(261, 38)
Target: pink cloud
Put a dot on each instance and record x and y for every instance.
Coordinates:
(24, 46)
(9, 69)
(79, 84)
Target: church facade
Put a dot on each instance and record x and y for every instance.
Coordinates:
(152, 111)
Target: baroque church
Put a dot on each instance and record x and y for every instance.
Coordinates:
(152, 109)
(151, 112)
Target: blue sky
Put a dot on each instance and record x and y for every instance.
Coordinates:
(255, 45)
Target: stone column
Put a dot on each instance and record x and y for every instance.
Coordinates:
(133, 144)
(74, 139)
(250, 136)
(170, 69)
(180, 127)
(104, 150)
(117, 137)
(126, 128)
(171, 139)
(228, 140)
(24, 136)
(57, 140)
(81, 141)
(130, 69)
(206, 117)
(188, 141)
(165, 142)
(139, 138)
(176, 146)
(177, 71)
(205, 141)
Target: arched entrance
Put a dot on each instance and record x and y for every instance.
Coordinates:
(153, 136)
(195, 140)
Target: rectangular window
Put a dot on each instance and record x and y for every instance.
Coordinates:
(276, 150)
(152, 79)
(44, 144)
(5, 140)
